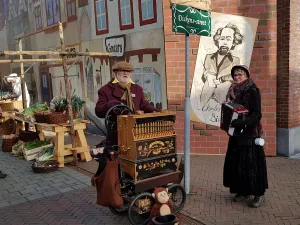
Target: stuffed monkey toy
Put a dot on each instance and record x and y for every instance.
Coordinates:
(163, 205)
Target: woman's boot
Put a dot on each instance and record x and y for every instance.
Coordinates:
(2, 175)
(258, 201)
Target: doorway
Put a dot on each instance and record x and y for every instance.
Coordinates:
(46, 85)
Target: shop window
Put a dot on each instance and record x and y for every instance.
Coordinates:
(71, 10)
(52, 12)
(126, 14)
(101, 16)
(38, 17)
(147, 12)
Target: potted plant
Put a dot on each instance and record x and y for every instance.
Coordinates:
(58, 108)
(77, 105)
(59, 104)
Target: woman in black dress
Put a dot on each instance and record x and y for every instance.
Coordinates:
(245, 170)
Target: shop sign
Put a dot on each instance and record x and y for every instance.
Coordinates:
(115, 45)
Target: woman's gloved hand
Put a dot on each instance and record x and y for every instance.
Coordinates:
(238, 123)
(112, 103)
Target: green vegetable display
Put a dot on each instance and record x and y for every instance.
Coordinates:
(41, 107)
(35, 144)
(35, 108)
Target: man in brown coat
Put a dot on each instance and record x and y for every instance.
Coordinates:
(119, 90)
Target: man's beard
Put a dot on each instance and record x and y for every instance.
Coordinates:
(124, 79)
(223, 50)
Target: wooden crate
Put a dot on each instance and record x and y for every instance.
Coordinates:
(11, 105)
(32, 153)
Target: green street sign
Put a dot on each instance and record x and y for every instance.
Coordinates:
(189, 20)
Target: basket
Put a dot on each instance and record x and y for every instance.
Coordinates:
(44, 167)
(41, 117)
(7, 127)
(57, 118)
(32, 153)
(28, 136)
(7, 144)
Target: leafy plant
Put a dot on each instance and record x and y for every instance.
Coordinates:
(59, 104)
(77, 103)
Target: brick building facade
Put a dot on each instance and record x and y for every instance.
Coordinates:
(288, 79)
(207, 139)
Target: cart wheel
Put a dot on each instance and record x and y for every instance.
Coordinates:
(121, 211)
(140, 209)
(177, 196)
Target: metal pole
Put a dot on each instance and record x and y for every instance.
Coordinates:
(187, 118)
(24, 100)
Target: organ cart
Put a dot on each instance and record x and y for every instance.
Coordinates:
(148, 159)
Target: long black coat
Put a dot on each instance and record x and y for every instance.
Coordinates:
(245, 170)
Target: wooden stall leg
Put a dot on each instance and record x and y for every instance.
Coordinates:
(83, 143)
(74, 151)
(40, 132)
(59, 149)
(26, 126)
(19, 126)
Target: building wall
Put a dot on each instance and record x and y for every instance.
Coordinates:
(113, 19)
(207, 139)
(288, 105)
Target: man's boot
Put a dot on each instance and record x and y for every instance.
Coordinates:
(2, 175)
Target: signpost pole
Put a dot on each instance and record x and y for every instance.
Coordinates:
(187, 158)
(188, 20)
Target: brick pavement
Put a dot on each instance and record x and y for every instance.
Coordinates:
(71, 208)
(23, 185)
(209, 202)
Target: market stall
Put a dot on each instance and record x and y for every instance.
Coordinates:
(61, 149)
(60, 119)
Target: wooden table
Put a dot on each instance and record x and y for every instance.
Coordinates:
(62, 150)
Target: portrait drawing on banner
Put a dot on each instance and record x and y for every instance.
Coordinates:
(231, 43)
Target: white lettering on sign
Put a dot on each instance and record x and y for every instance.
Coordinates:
(115, 45)
(190, 20)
